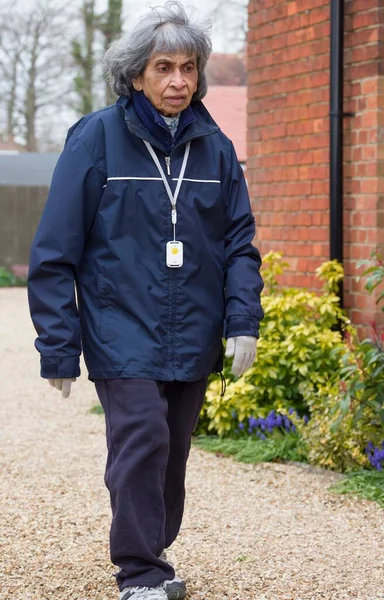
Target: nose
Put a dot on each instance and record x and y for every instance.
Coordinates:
(178, 79)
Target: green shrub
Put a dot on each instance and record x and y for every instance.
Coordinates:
(306, 367)
(362, 376)
(341, 448)
(363, 364)
(347, 416)
(9, 279)
(297, 336)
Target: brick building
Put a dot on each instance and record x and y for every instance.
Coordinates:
(288, 136)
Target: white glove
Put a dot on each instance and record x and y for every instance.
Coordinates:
(63, 385)
(243, 348)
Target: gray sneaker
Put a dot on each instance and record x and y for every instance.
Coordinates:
(144, 593)
(175, 588)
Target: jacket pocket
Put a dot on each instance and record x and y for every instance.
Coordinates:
(220, 361)
(106, 310)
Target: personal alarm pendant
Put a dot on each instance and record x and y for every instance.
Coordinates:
(174, 249)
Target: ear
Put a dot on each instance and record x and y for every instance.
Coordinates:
(137, 84)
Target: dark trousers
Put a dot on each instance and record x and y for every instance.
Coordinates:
(149, 425)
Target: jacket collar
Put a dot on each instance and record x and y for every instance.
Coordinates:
(145, 122)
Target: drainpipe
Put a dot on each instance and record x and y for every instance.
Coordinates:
(336, 133)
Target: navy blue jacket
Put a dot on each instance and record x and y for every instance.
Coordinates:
(98, 277)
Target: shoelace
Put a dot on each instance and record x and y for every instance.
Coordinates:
(146, 593)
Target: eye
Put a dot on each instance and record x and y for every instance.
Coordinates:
(162, 68)
(190, 68)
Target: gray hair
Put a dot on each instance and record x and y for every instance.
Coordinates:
(165, 29)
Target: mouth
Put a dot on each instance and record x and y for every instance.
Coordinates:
(176, 100)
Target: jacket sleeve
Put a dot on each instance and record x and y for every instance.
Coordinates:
(56, 254)
(243, 282)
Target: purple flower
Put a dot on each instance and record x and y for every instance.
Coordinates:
(375, 455)
(261, 426)
(253, 422)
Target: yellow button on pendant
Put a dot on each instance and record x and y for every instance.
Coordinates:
(175, 251)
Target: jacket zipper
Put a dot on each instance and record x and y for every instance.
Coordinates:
(172, 294)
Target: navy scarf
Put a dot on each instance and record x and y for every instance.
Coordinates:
(154, 122)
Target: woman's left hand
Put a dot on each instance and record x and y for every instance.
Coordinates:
(243, 349)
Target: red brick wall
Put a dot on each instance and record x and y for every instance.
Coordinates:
(288, 136)
(363, 152)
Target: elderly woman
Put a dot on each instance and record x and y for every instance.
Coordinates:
(148, 218)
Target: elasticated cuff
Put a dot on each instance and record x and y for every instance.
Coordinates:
(234, 326)
(53, 367)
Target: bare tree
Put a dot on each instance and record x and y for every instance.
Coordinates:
(34, 50)
(83, 54)
(231, 18)
(98, 31)
(111, 27)
(10, 55)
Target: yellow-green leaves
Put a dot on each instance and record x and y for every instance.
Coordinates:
(331, 273)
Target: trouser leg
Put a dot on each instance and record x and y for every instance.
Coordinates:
(138, 449)
(185, 400)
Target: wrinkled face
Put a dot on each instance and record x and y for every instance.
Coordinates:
(169, 82)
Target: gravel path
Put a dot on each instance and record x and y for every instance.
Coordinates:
(259, 532)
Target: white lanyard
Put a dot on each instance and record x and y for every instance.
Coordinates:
(172, 198)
